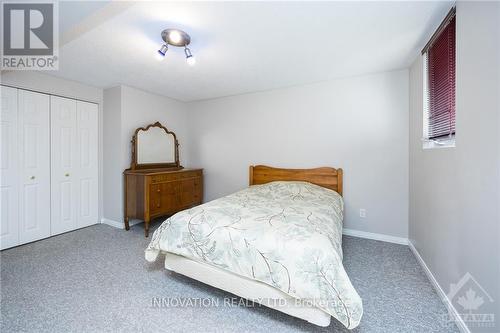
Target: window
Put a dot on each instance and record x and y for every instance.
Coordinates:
(439, 86)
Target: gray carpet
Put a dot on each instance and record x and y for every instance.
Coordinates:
(96, 279)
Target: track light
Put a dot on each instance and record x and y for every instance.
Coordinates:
(191, 61)
(179, 38)
(161, 52)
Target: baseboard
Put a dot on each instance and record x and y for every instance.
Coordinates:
(449, 306)
(119, 225)
(379, 237)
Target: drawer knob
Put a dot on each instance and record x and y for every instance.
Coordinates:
(32, 177)
(66, 175)
(158, 190)
(157, 205)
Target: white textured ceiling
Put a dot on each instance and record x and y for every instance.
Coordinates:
(72, 13)
(241, 47)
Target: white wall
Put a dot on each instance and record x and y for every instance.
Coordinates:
(454, 193)
(126, 109)
(112, 169)
(140, 108)
(48, 84)
(359, 124)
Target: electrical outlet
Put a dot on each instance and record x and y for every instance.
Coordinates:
(362, 213)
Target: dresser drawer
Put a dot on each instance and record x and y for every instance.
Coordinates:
(165, 193)
(154, 198)
(163, 197)
(190, 174)
(165, 178)
(189, 185)
(190, 198)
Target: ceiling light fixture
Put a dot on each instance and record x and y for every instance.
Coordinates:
(176, 37)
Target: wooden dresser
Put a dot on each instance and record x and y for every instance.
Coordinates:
(151, 193)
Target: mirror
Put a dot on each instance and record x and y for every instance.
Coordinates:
(154, 146)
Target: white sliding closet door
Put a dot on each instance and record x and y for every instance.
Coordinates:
(87, 117)
(9, 226)
(74, 160)
(49, 165)
(34, 166)
(64, 165)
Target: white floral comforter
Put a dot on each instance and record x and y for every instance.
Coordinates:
(285, 234)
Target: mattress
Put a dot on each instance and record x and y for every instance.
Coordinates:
(249, 289)
(286, 235)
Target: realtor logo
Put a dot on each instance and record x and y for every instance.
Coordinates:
(473, 303)
(30, 35)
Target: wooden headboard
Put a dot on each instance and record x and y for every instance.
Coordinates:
(326, 177)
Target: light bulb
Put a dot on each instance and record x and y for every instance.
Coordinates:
(191, 61)
(159, 56)
(175, 37)
(189, 56)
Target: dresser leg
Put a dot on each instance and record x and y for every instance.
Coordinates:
(127, 226)
(146, 228)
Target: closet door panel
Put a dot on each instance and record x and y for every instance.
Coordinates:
(34, 162)
(87, 124)
(64, 165)
(9, 224)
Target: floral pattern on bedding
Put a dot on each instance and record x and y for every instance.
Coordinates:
(285, 234)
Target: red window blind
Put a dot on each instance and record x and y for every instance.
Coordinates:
(441, 83)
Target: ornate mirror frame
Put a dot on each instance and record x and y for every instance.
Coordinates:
(136, 166)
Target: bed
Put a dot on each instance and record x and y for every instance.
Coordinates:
(276, 243)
